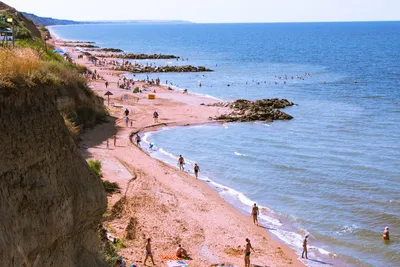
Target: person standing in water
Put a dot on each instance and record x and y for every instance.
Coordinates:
(196, 170)
(247, 253)
(385, 235)
(255, 212)
(148, 252)
(181, 162)
(304, 247)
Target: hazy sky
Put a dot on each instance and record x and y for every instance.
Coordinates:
(214, 10)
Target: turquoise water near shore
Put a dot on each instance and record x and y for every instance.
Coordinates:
(333, 171)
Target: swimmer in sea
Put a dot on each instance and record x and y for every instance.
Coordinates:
(247, 253)
(385, 235)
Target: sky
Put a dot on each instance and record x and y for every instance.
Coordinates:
(214, 11)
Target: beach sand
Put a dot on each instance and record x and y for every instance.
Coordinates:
(161, 202)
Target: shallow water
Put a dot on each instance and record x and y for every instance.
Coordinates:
(332, 171)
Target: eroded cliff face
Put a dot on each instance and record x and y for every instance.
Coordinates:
(50, 201)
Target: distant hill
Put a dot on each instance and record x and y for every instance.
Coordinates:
(49, 21)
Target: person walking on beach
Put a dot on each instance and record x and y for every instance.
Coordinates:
(138, 140)
(106, 85)
(247, 253)
(108, 144)
(126, 112)
(148, 252)
(155, 116)
(385, 235)
(196, 170)
(127, 121)
(181, 162)
(304, 247)
(115, 139)
(255, 212)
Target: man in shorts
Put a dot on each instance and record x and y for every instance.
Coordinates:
(255, 212)
(138, 140)
(247, 253)
(181, 162)
(196, 170)
(148, 252)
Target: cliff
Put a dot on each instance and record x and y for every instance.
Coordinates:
(50, 201)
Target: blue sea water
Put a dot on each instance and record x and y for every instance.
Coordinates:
(332, 171)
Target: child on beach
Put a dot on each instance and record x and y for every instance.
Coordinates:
(108, 144)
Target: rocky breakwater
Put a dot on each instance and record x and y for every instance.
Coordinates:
(132, 56)
(152, 69)
(50, 201)
(260, 110)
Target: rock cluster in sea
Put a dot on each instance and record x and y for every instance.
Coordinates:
(243, 110)
(134, 56)
(149, 69)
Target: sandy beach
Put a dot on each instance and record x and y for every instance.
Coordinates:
(170, 206)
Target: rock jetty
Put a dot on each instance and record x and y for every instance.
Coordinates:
(243, 110)
(136, 56)
(150, 69)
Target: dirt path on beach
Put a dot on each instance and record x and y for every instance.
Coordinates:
(161, 202)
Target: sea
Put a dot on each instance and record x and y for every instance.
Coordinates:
(333, 171)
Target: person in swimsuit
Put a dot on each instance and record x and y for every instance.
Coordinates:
(138, 140)
(304, 247)
(148, 252)
(181, 252)
(385, 235)
(247, 253)
(181, 162)
(255, 212)
(155, 116)
(196, 170)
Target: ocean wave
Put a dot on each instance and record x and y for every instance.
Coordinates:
(172, 156)
(240, 155)
(346, 229)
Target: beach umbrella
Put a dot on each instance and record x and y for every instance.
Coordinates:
(108, 97)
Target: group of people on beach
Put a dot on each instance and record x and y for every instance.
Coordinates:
(181, 163)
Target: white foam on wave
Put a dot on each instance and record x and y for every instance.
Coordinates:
(240, 154)
(168, 154)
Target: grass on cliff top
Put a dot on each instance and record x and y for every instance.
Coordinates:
(30, 67)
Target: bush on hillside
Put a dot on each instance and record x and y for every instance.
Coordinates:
(95, 166)
(111, 188)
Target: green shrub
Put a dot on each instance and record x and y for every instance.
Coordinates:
(95, 165)
(110, 187)
(136, 90)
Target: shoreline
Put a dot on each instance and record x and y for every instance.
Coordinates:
(273, 252)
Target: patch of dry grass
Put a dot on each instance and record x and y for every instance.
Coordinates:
(18, 66)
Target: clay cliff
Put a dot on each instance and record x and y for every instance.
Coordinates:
(50, 201)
